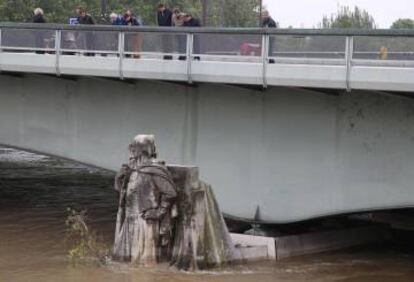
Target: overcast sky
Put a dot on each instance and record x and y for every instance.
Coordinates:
(308, 13)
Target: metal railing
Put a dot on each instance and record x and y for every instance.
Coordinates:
(189, 45)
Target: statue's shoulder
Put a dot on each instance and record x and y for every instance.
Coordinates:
(160, 173)
(155, 167)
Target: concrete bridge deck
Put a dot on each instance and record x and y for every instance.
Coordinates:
(351, 59)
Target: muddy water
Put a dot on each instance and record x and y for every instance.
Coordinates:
(35, 192)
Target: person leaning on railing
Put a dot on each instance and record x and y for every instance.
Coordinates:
(268, 22)
(116, 19)
(164, 19)
(85, 18)
(164, 15)
(177, 18)
(38, 17)
(130, 19)
(190, 21)
(178, 21)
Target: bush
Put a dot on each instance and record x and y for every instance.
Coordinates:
(84, 244)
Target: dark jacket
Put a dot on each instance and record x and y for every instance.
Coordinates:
(86, 19)
(165, 18)
(118, 21)
(39, 19)
(133, 21)
(192, 23)
(269, 22)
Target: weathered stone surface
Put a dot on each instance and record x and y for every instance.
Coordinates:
(201, 239)
(146, 206)
(168, 214)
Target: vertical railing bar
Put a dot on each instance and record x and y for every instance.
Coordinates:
(349, 57)
(1, 49)
(121, 48)
(58, 41)
(190, 50)
(265, 58)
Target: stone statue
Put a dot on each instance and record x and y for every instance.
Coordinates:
(146, 206)
(167, 215)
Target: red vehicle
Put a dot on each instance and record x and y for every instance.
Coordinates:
(250, 49)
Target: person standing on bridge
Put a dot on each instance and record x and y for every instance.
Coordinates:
(116, 19)
(38, 17)
(164, 19)
(131, 20)
(178, 21)
(164, 16)
(190, 21)
(268, 22)
(177, 18)
(86, 19)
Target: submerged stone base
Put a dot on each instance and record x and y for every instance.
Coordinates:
(253, 248)
(201, 238)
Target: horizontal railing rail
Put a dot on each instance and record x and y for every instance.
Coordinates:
(270, 31)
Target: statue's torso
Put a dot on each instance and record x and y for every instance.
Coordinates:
(142, 193)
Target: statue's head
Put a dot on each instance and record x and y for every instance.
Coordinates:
(143, 145)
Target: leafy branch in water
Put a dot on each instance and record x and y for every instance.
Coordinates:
(84, 244)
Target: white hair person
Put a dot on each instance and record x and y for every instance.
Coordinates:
(265, 14)
(38, 11)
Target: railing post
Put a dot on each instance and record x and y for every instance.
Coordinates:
(349, 52)
(58, 40)
(1, 49)
(190, 50)
(265, 58)
(121, 49)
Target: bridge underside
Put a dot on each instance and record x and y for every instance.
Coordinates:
(295, 154)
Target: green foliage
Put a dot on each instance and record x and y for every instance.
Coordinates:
(403, 24)
(347, 18)
(234, 13)
(84, 244)
(220, 12)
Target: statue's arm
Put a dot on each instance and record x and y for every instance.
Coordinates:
(168, 197)
(118, 182)
(122, 177)
(168, 191)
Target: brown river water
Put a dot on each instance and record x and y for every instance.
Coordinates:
(35, 192)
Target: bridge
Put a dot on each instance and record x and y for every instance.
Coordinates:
(356, 59)
(295, 124)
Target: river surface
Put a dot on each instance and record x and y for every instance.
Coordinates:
(35, 192)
